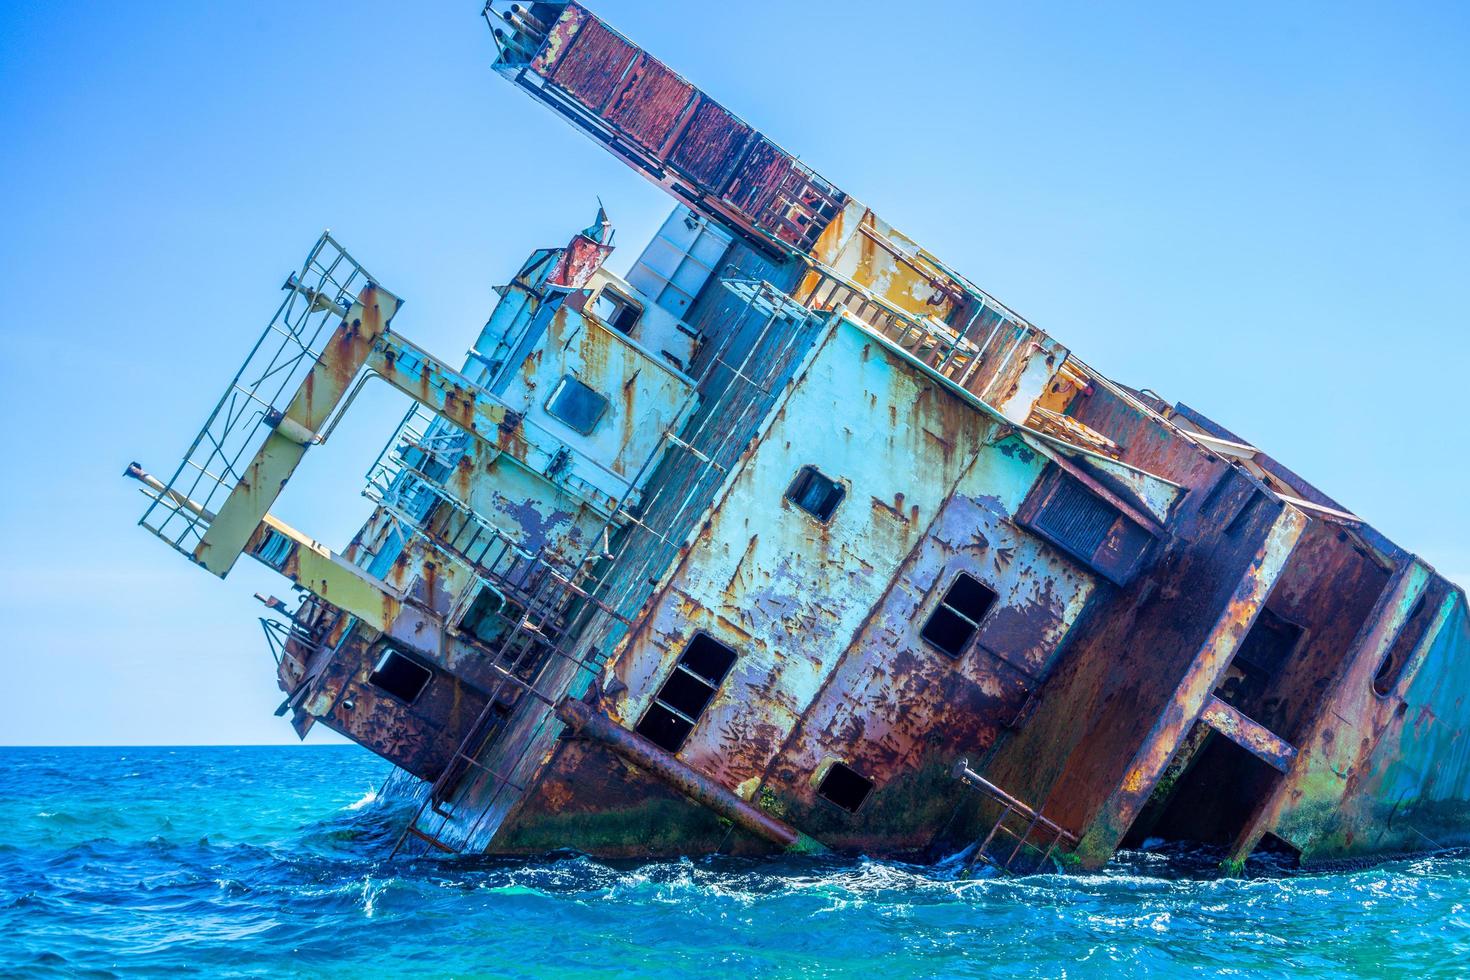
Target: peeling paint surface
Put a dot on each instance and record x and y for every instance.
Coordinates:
(827, 548)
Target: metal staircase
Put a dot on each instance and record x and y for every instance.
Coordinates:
(560, 605)
(422, 441)
(955, 352)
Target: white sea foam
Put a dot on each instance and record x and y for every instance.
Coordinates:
(371, 796)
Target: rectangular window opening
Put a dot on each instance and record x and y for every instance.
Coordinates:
(616, 310)
(954, 623)
(577, 405)
(844, 787)
(400, 676)
(815, 493)
(686, 692)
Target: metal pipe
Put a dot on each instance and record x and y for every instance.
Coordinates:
(514, 43)
(526, 20)
(135, 471)
(698, 787)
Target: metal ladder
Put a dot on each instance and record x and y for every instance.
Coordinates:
(569, 599)
(1032, 832)
(547, 604)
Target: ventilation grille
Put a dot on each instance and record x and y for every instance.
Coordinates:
(1075, 519)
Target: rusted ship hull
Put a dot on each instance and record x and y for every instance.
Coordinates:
(796, 539)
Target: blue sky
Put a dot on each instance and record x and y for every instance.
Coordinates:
(1262, 210)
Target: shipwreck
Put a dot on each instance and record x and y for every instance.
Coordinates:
(795, 539)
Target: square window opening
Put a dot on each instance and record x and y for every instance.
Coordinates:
(616, 310)
(843, 787)
(956, 619)
(664, 728)
(686, 694)
(969, 598)
(577, 405)
(399, 676)
(948, 631)
(708, 657)
(816, 493)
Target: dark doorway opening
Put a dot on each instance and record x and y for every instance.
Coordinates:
(1211, 798)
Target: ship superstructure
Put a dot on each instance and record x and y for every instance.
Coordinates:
(797, 539)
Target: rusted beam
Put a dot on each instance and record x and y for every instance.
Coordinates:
(306, 562)
(1249, 734)
(698, 787)
(296, 429)
(454, 397)
(1321, 740)
(1108, 827)
(320, 571)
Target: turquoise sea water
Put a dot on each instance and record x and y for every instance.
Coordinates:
(272, 861)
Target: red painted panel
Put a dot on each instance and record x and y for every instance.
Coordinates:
(641, 99)
(710, 145)
(593, 66)
(648, 103)
(759, 176)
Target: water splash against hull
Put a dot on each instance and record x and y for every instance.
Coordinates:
(232, 861)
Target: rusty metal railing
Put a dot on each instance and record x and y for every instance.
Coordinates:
(421, 439)
(955, 351)
(317, 298)
(488, 766)
(1036, 825)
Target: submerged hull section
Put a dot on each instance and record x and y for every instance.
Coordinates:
(795, 539)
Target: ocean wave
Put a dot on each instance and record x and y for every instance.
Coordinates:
(273, 870)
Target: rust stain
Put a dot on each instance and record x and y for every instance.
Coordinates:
(1020, 595)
